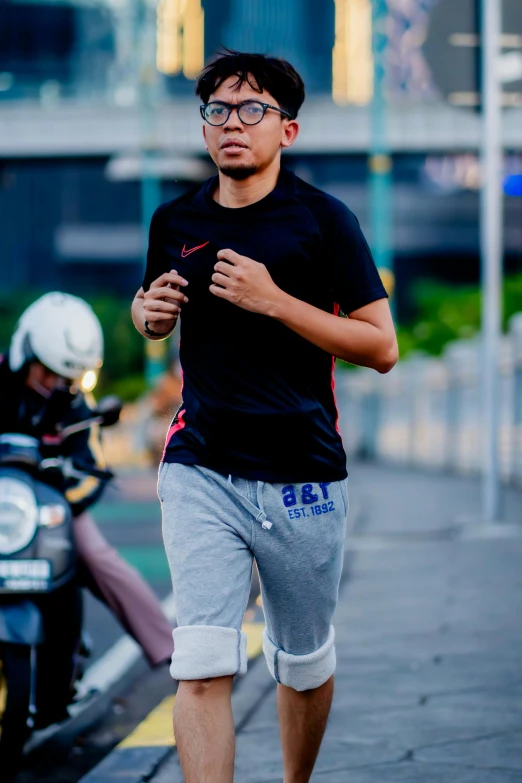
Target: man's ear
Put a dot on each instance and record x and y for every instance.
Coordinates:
(290, 132)
(205, 136)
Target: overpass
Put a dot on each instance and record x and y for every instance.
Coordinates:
(28, 129)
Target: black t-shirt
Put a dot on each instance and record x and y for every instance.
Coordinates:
(258, 399)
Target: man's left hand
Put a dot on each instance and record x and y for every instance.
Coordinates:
(244, 282)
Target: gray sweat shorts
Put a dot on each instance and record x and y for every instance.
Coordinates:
(213, 528)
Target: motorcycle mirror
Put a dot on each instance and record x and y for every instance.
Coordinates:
(109, 409)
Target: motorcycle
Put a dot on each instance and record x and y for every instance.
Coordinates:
(41, 647)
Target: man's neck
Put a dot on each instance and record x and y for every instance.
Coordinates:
(233, 193)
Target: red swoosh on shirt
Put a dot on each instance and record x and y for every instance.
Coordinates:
(185, 252)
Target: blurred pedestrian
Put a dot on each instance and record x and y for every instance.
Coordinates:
(157, 406)
(43, 359)
(258, 263)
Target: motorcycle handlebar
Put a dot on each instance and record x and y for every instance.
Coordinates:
(76, 469)
(99, 473)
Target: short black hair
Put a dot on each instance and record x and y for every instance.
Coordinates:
(260, 71)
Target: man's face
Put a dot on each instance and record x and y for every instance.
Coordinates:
(240, 151)
(41, 377)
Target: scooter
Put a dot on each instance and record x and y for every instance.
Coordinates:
(41, 649)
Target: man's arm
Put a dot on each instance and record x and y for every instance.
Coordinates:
(160, 306)
(85, 449)
(366, 337)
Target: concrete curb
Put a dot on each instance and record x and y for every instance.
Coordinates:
(106, 679)
(136, 763)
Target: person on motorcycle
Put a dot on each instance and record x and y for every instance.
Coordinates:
(56, 341)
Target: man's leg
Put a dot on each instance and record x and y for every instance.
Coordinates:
(300, 560)
(204, 730)
(207, 537)
(302, 722)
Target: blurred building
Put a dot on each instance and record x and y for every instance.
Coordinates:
(84, 85)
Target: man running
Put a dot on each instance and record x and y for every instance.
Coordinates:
(258, 263)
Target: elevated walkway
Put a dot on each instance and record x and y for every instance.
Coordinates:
(67, 128)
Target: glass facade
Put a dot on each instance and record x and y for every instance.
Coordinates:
(301, 31)
(53, 51)
(267, 26)
(66, 215)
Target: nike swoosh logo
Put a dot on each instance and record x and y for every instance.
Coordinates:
(185, 252)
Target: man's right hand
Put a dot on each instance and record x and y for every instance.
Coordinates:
(163, 301)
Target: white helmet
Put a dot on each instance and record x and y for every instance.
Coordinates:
(62, 332)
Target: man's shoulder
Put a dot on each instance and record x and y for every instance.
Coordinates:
(191, 198)
(327, 210)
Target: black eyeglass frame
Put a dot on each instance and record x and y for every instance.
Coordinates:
(232, 106)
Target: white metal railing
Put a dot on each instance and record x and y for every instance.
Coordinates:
(427, 411)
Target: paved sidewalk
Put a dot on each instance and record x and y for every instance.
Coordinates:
(429, 644)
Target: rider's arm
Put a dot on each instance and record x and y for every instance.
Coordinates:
(84, 448)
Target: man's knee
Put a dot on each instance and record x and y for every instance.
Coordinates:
(301, 672)
(209, 687)
(207, 652)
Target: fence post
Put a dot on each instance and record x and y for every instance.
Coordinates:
(414, 370)
(515, 330)
(461, 358)
(370, 425)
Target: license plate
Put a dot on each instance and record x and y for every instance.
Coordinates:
(24, 575)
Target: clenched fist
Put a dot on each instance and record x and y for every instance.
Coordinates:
(244, 282)
(163, 301)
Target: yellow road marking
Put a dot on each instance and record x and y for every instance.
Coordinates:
(156, 730)
(254, 634)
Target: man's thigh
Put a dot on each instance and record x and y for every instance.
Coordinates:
(207, 542)
(300, 561)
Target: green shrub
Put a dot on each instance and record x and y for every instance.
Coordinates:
(446, 313)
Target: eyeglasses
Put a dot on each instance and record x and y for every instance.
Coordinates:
(249, 112)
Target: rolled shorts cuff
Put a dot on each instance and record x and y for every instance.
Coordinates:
(205, 651)
(301, 672)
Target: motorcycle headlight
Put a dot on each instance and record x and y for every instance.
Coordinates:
(89, 381)
(18, 515)
(52, 516)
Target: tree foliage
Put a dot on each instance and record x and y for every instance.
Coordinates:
(446, 313)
